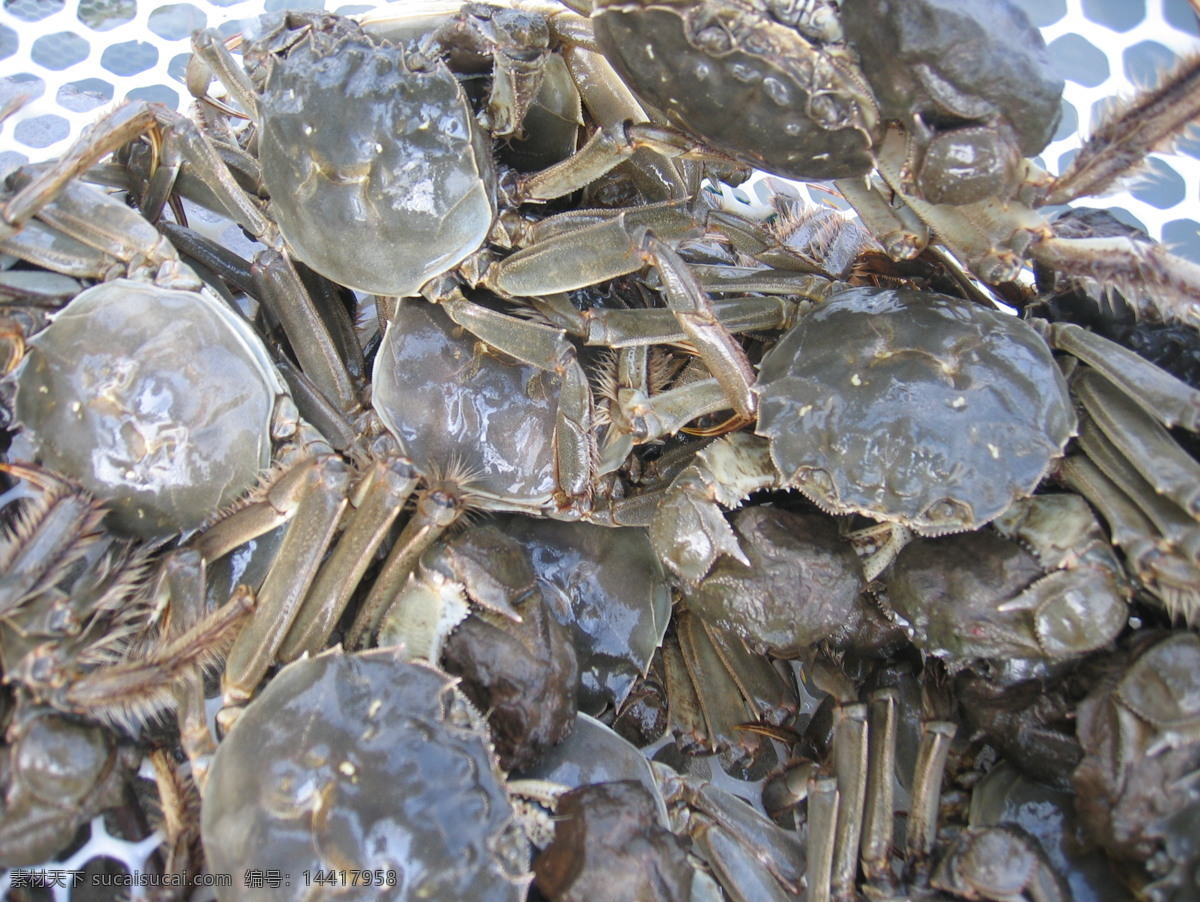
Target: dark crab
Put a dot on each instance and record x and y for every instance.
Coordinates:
(945, 101)
(371, 763)
(913, 408)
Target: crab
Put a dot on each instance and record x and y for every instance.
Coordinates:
(854, 798)
(1136, 782)
(1130, 467)
(891, 403)
(108, 394)
(743, 852)
(1040, 587)
(943, 101)
(607, 586)
(515, 659)
(723, 698)
(91, 649)
(55, 775)
(416, 804)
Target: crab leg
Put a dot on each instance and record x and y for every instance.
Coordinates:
(822, 821)
(285, 295)
(1123, 138)
(607, 98)
(86, 233)
(1140, 270)
(850, 767)
(1169, 574)
(881, 769)
(725, 358)
(1169, 520)
(588, 255)
(1146, 444)
(438, 507)
(1169, 400)
(50, 534)
(210, 57)
(722, 706)
(321, 500)
(377, 501)
(113, 693)
(921, 835)
(605, 150)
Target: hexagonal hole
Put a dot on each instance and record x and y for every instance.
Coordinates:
(84, 95)
(1158, 185)
(1043, 13)
(1145, 61)
(1079, 60)
(129, 58)
(177, 21)
(105, 15)
(1182, 236)
(155, 94)
(42, 131)
(9, 42)
(1119, 15)
(32, 10)
(59, 51)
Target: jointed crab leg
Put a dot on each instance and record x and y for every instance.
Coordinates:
(83, 232)
(279, 286)
(51, 533)
(881, 768)
(1139, 270)
(850, 767)
(1173, 523)
(1146, 444)
(586, 255)
(921, 833)
(322, 498)
(377, 500)
(1169, 400)
(1152, 121)
(439, 506)
(822, 820)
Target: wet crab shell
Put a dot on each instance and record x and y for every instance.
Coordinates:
(448, 403)
(913, 407)
(744, 82)
(379, 178)
(366, 762)
(157, 401)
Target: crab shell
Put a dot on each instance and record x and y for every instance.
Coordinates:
(730, 73)
(913, 407)
(170, 403)
(370, 762)
(379, 178)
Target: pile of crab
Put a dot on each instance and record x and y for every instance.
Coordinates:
(500, 515)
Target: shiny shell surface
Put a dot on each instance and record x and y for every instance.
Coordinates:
(742, 81)
(449, 403)
(157, 401)
(913, 407)
(365, 762)
(378, 175)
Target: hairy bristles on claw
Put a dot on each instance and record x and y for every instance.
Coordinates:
(266, 480)
(1159, 284)
(47, 535)
(139, 689)
(605, 386)
(1152, 120)
(121, 606)
(454, 479)
(826, 237)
